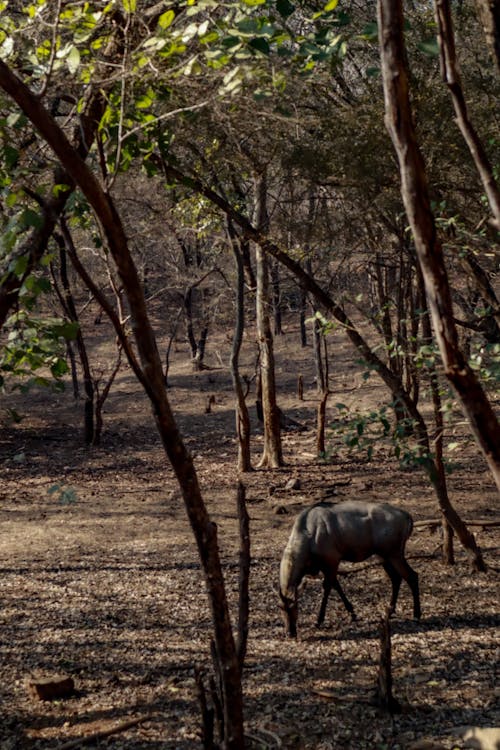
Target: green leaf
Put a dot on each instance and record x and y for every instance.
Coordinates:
(129, 6)
(73, 60)
(285, 8)
(248, 26)
(370, 32)
(260, 44)
(331, 5)
(166, 19)
(67, 330)
(59, 368)
(30, 218)
(20, 266)
(429, 47)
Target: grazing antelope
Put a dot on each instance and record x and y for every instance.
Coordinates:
(327, 533)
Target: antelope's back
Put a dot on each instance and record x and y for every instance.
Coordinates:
(355, 530)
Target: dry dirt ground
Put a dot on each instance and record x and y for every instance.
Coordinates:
(100, 580)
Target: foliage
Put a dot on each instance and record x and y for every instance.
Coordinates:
(35, 344)
(220, 89)
(367, 432)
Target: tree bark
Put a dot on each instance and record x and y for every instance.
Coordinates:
(244, 575)
(205, 531)
(451, 76)
(489, 13)
(415, 193)
(242, 416)
(272, 455)
(88, 409)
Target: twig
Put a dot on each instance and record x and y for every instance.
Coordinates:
(484, 522)
(275, 739)
(347, 698)
(104, 732)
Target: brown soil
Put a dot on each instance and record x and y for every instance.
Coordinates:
(104, 585)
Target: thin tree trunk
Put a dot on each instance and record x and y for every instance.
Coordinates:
(416, 199)
(88, 384)
(242, 416)
(302, 318)
(272, 455)
(244, 577)
(275, 281)
(325, 392)
(489, 13)
(451, 77)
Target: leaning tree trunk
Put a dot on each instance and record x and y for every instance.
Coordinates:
(272, 455)
(415, 193)
(151, 376)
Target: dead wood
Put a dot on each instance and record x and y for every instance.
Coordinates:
(51, 688)
(102, 733)
(482, 522)
(383, 691)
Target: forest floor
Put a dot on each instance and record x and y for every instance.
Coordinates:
(100, 578)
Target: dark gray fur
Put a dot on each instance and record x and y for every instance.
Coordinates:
(327, 533)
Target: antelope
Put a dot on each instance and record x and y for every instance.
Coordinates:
(326, 533)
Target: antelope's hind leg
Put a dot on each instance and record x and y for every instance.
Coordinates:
(411, 578)
(396, 579)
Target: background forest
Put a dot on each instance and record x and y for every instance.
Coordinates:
(275, 225)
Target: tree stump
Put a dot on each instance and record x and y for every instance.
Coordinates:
(51, 687)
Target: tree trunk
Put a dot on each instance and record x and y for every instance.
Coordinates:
(275, 280)
(244, 575)
(489, 13)
(416, 199)
(451, 77)
(272, 453)
(302, 318)
(325, 392)
(242, 416)
(88, 385)
(205, 531)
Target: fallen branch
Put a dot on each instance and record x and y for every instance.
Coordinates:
(483, 522)
(276, 741)
(100, 734)
(345, 698)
